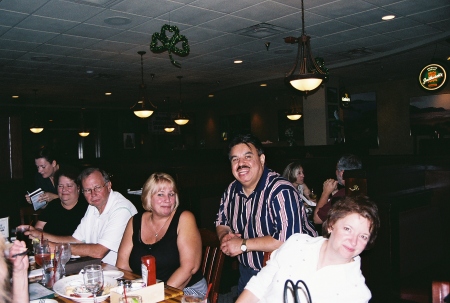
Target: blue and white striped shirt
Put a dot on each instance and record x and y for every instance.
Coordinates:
(274, 208)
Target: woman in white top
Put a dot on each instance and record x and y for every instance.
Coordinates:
(329, 265)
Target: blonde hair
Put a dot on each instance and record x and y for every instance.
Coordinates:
(153, 184)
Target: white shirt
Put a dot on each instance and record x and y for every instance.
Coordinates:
(107, 228)
(297, 259)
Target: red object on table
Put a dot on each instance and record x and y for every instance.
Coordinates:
(148, 268)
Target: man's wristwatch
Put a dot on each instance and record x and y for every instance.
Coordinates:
(244, 245)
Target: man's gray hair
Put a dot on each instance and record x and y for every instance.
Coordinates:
(349, 162)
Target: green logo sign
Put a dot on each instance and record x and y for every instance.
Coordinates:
(433, 77)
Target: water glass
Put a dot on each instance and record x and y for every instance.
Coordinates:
(93, 279)
(51, 274)
(63, 253)
(130, 299)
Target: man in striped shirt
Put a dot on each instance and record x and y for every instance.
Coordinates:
(258, 211)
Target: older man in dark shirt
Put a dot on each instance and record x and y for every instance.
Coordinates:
(258, 211)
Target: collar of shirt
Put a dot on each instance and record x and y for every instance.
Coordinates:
(259, 187)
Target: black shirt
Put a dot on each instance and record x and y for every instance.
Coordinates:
(60, 221)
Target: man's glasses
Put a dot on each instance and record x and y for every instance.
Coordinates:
(96, 189)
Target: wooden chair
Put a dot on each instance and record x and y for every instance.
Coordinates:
(212, 262)
(28, 215)
(440, 290)
(266, 257)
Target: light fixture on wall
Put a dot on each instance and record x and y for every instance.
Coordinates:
(37, 126)
(143, 107)
(181, 119)
(83, 132)
(294, 112)
(311, 72)
(345, 98)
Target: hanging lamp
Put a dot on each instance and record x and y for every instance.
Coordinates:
(37, 126)
(181, 119)
(307, 73)
(294, 112)
(83, 132)
(143, 108)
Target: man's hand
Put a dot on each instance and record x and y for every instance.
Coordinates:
(329, 186)
(232, 246)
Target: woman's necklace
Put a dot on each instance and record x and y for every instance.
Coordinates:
(157, 232)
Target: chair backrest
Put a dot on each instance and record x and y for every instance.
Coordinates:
(440, 290)
(28, 215)
(266, 257)
(212, 262)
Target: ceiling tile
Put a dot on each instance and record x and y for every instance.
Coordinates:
(224, 6)
(93, 31)
(28, 35)
(11, 18)
(67, 10)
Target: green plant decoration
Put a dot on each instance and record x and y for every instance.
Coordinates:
(170, 44)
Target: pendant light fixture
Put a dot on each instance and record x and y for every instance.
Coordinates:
(307, 74)
(169, 129)
(36, 126)
(294, 112)
(83, 132)
(181, 119)
(143, 107)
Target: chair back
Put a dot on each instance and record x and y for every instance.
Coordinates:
(28, 215)
(266, 257)
(440, 290)
(212, 262)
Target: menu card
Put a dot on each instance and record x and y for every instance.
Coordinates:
(4, 227)
(34, 196)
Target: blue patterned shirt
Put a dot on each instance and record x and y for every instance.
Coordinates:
(274, 209)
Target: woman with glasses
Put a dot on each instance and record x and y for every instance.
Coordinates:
(62, 217)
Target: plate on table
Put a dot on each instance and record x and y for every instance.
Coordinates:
(66, 286)
(116, 274)
(44, 301)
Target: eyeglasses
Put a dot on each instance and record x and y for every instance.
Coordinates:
(96, 189)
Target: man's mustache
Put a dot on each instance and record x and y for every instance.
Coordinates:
(243, 166)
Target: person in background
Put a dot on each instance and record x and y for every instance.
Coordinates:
(101, 229)
(329, 265)
(167, 233)
(335, 189)
(19, 273)
(47, 166)
(62, 217)
(258, 211)
(294, 173)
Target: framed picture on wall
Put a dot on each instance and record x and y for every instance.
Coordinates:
(128, 141)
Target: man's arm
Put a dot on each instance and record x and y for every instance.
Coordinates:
(329, 186)
(92, 250)
(232, 247)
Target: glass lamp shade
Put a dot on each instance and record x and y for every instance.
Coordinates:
(169, 129)
(306, 83)
(293, 117)
(181, 121)
(36, 130)
(142, 113)
(84, 133)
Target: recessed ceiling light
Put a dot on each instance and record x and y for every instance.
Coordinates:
(117, 21)
(89, 72)
(263, 84)
(15, 97)
(210, 95)
(388, 17)
(108, 94)
(237, 61)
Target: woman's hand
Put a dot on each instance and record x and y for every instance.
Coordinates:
(20, 262)
(47, 197)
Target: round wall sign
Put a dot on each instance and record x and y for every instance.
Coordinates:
(433, 77)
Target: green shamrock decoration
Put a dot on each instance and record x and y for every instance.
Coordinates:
(170, 44)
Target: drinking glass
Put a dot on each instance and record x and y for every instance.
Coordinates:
(62, 255)
(93, 279)
(130, 299)
(20, 235)
(41, 253)
(51, 275)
